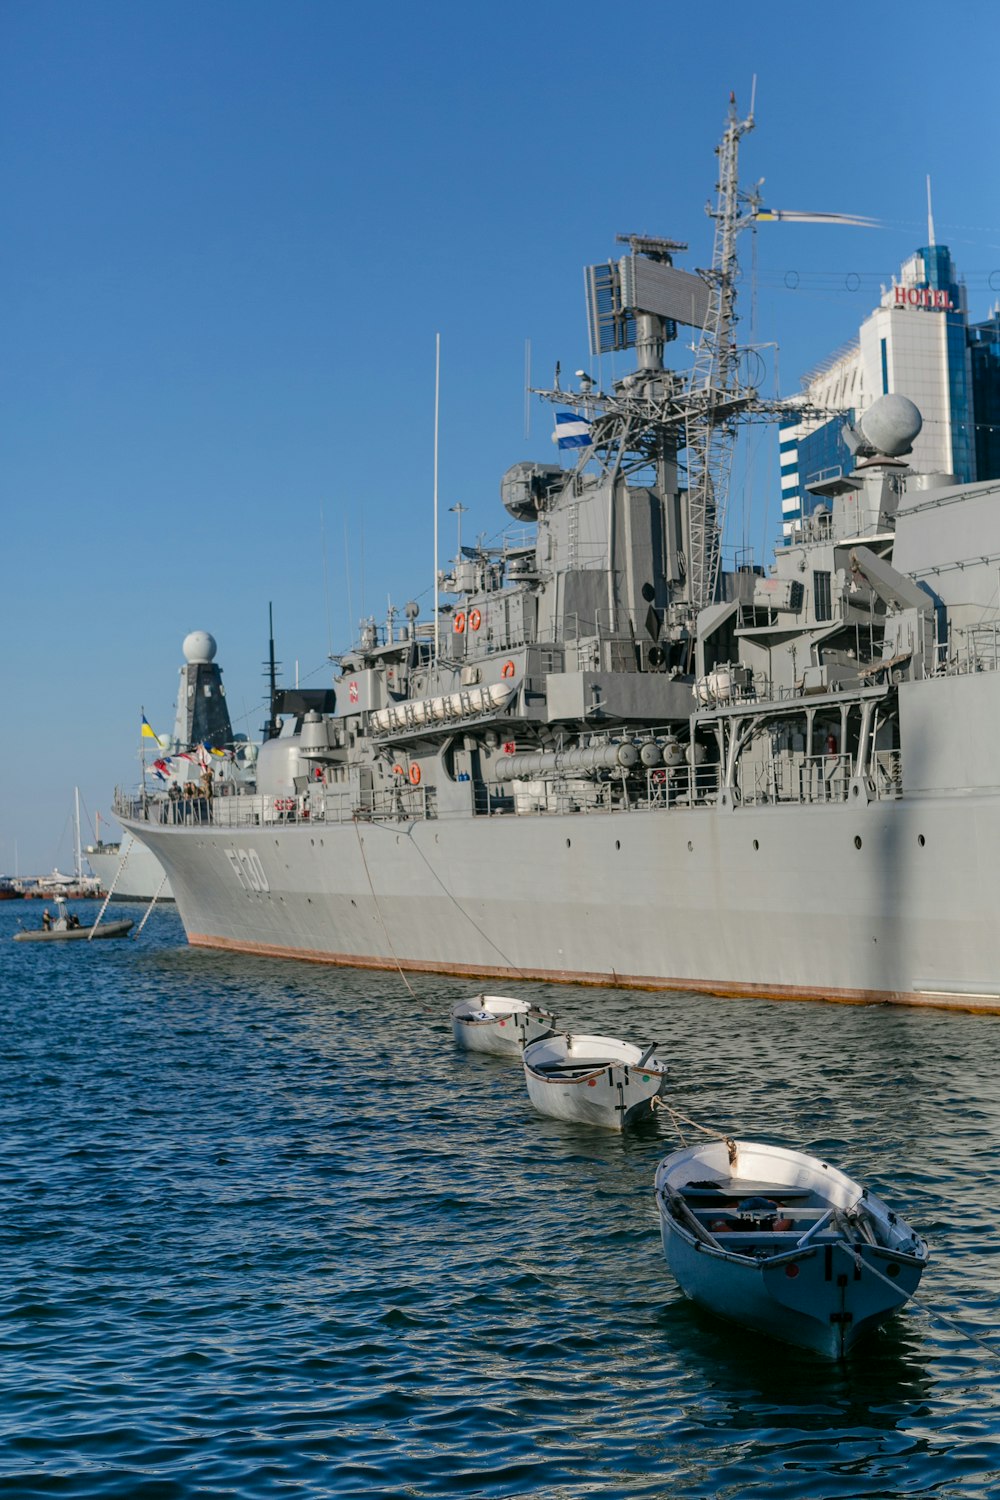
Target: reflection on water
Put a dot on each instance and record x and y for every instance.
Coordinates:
(267, 1231)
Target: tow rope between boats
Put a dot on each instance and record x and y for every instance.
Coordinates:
(927, 1311)
(676, 1119)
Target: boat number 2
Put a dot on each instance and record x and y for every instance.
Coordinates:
(248, 869)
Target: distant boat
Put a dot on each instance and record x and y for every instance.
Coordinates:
(499, 1024)
(784, 1244)
(78, 886)
(9, 891)
(594, 1080)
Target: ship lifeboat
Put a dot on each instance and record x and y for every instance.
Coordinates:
(715, 686)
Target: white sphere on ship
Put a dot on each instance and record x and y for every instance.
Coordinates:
(199, 647)
(890, 424)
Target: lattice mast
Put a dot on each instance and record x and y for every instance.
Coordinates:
(715, 397)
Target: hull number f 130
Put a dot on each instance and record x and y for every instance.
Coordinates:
(248, 869)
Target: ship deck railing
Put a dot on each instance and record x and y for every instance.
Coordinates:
(800, 780)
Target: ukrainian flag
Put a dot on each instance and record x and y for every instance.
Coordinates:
(148, 732)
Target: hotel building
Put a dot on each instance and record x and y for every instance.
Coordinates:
(916, 343)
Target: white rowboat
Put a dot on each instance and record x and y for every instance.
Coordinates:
(499, 1024)
(784, 1244)
(593, 1080)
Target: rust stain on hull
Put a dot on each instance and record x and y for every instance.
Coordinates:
(973, 1004)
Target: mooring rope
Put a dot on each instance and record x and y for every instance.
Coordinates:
(508, 961)
(145, 919)
(378, 910)
(122, 862)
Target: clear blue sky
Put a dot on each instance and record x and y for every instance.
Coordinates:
(232, 231)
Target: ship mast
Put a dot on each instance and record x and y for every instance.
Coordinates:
(271, 727)
(714, 376)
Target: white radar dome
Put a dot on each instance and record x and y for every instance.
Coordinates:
(890, 424)
(199, 646)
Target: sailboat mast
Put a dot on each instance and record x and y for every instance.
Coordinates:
(76, 820)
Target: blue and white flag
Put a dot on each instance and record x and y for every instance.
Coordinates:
(571, 431)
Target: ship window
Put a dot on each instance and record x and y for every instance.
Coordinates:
(857, 841)
(822, 596)
(756, 844)
(921, 840)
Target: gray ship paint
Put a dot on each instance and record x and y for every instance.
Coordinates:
(625, 769)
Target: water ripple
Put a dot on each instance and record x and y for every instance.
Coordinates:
(266, 1232)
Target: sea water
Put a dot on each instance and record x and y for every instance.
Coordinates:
(267, 1231)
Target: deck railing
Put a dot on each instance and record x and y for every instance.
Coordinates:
(803, 779)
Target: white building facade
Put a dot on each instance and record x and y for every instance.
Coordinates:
(915, 344)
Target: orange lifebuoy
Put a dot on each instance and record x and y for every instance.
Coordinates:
(284, 804)
(398, 771)
(415, 775)
(658, 777)
(459, 622)
(507, 669)
(475, 619)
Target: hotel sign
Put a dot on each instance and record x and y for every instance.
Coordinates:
(917, 296)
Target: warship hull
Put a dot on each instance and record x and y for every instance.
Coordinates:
(139, 877)
(730, 901)
(607, 759)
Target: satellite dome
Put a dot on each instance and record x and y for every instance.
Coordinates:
(890, 424)
(199, 646)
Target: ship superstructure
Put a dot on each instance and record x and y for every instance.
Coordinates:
(610, 761)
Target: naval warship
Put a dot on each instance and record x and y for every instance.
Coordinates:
(609, 760)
